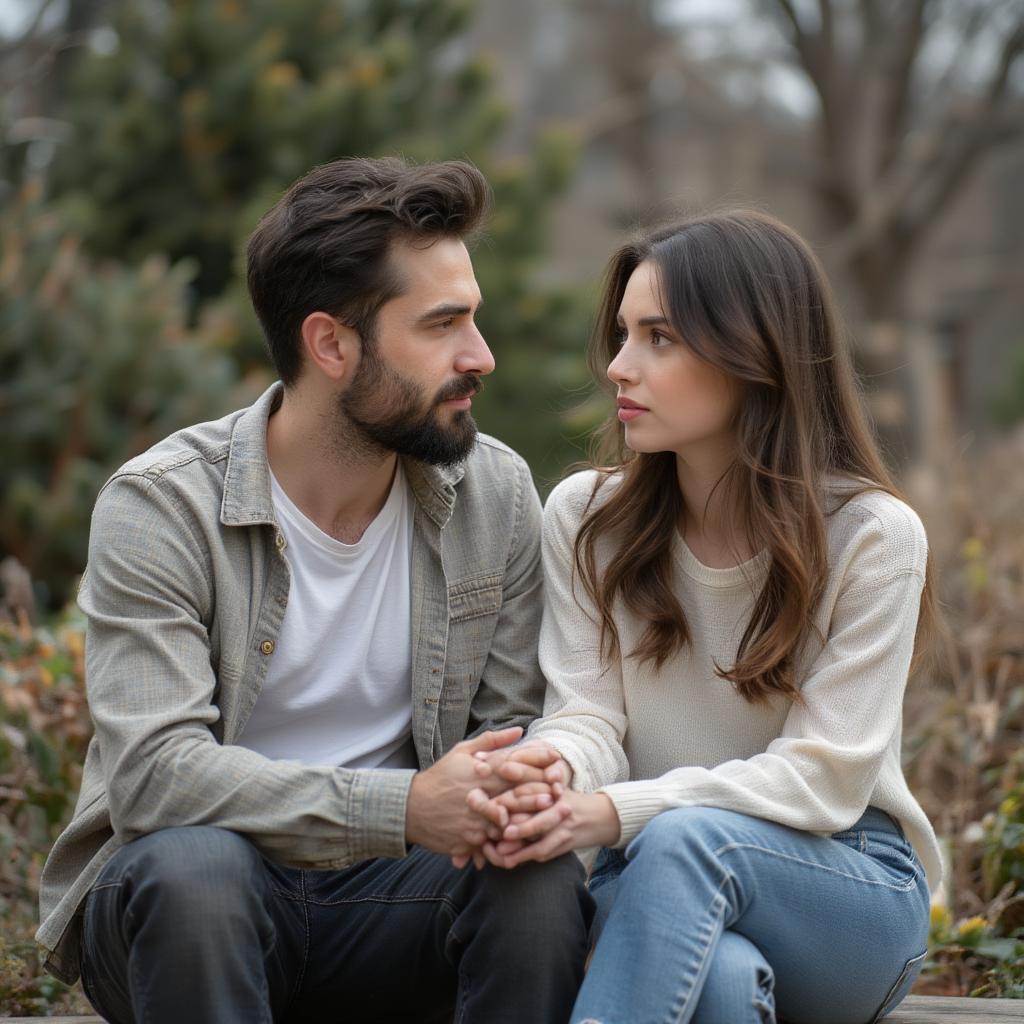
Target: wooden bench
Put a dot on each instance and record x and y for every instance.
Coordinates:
(913, 1010)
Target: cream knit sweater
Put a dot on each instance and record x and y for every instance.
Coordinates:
(681, 736)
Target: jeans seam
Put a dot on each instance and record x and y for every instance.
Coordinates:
(297, 987)
(447, 900)
(730, 847)
(683, 999)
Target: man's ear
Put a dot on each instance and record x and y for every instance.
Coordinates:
(330, 346)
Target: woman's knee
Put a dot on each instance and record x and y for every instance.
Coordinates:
(683, 829)
(739, 986)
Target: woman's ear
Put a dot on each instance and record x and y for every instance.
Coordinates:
(330, 346)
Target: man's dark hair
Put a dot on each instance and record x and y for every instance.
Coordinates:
(324, 245)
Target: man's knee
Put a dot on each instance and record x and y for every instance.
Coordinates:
(539, 898)
(192, 871)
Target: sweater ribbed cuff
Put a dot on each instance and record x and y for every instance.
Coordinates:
(636, 803)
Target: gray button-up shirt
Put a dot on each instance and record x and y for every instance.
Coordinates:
(185, 592)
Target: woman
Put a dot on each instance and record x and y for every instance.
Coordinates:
(731, 614)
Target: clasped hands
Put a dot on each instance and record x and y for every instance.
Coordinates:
(489, 801)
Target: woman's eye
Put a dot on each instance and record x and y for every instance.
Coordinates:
(658, 339)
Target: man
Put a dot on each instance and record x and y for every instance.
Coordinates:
(295, 615)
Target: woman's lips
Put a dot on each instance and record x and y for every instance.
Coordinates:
(629, 412)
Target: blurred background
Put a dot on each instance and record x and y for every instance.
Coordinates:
(140, 140)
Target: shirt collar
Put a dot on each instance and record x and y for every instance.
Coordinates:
(247, 499)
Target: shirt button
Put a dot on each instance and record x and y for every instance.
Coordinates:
(267, 647)
(279, 541)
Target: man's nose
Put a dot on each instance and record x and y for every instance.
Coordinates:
(476, 357)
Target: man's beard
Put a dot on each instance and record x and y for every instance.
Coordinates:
(391, 414)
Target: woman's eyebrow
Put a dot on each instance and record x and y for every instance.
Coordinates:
(644, 321)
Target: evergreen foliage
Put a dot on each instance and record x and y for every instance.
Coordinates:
(125, 306)
(97, 363)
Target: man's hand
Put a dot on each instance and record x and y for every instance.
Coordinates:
(437, 815)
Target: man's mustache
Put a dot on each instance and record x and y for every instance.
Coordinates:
(461, 387)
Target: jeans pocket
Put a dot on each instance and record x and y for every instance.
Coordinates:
(901, 986)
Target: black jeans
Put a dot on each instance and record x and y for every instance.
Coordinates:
(195, 925)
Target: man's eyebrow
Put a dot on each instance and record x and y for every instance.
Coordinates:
(447, 309)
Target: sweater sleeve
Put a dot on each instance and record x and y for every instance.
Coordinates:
(819, 773)
(584, 715)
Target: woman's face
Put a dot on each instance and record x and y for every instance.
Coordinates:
(669, 399)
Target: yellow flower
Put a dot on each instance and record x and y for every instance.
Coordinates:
(972, 928)
(940, 916)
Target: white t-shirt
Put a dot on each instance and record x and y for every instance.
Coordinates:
(338, 689)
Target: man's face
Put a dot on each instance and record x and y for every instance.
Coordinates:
(412, 391)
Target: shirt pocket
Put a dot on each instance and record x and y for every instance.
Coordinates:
(473, 607)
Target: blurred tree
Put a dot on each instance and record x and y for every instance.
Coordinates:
(190, 118)
(96, 364)
(911, 99)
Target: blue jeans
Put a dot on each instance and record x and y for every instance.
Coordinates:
(195, 925)
(720, 918)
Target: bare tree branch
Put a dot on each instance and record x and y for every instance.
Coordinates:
(13, 45)
(893, 121)
(915, 191)
(975, 140)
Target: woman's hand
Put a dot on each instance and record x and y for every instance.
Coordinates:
(576, 821)
(533, 774)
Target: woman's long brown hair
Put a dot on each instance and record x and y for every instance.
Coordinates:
(747, 295)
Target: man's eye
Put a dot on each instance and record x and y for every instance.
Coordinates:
(447, 323)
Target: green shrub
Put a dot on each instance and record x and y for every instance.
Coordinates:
(97, 362)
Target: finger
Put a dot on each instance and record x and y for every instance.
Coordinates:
(527, 804)
(555, 772)
(478, 859)
(554, 844)
(539, 824)
(530, 789)
(490, 852)
(482, 769)
(492, 740)
(540, 755)
(516, 771)
(491, 810)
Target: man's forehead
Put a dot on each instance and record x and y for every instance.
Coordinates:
(435, 272)
(431, 258)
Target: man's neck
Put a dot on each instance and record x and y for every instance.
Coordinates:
(340, 487)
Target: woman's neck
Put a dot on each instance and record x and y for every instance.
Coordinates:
(712, 523)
